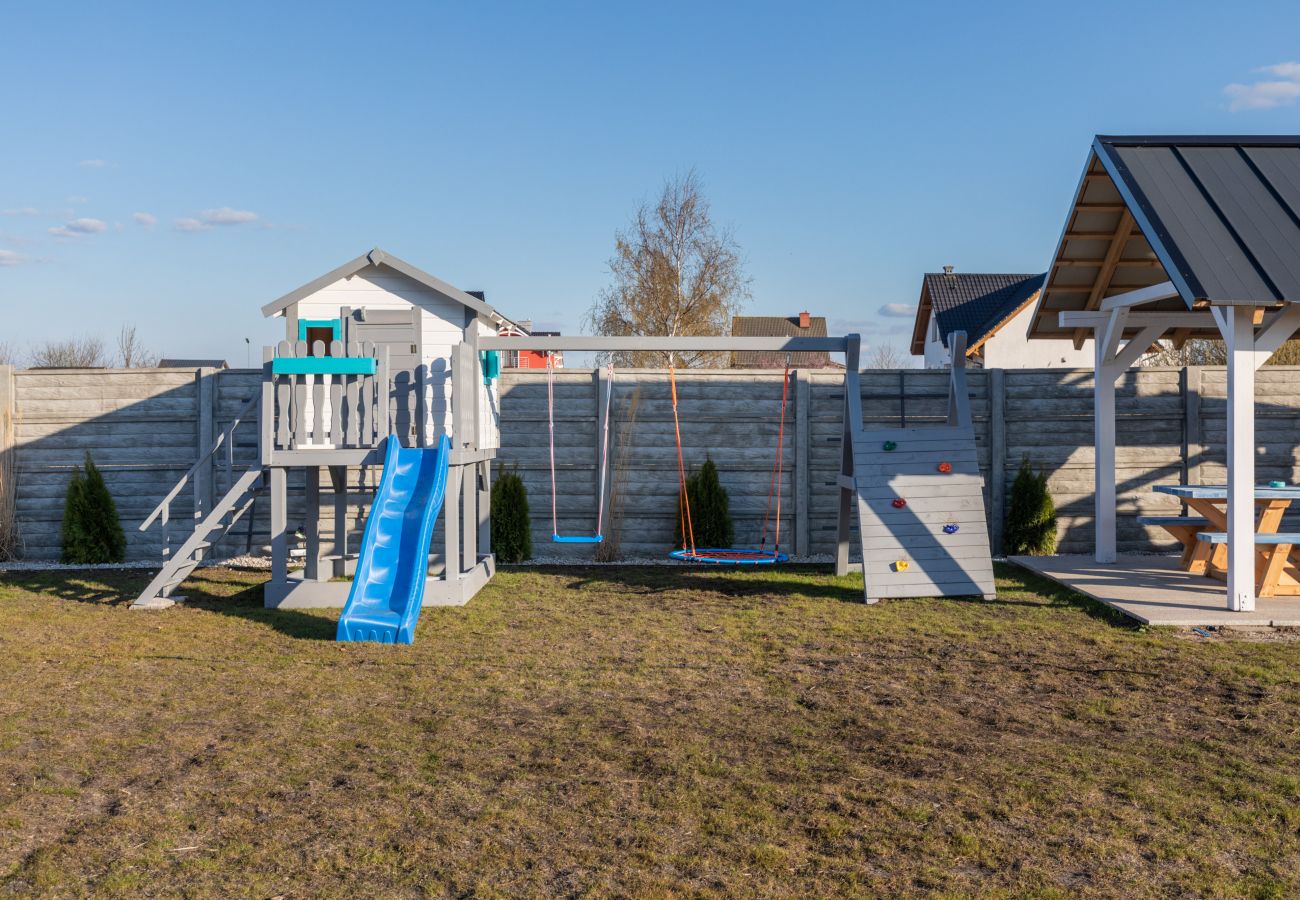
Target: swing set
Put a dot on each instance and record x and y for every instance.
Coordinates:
(688, 552)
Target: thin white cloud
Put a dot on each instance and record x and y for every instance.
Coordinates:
(148, 220)
(93, 163)
(78, 200)
(212, 218)
(20, 211)
(1283, 89)
(11, 258)
(79, 227)
(898, 311)
(227, 216)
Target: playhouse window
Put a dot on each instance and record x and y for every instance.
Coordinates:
(323, 330)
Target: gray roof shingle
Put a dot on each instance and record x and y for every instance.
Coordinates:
(976, 302)
(778, 326)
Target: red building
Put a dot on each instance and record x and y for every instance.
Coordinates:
(527, 359)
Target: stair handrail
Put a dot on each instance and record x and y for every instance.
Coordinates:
(227, 434)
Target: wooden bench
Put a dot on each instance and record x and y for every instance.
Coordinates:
(1185, 529)
(1269, 562)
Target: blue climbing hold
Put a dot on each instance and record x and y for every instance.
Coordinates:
(950, 529)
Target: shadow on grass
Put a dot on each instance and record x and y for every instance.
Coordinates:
(205, 593)
(228, 597)
(814, 581)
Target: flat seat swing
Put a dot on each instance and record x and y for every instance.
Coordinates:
(730, 556)
(599, 536)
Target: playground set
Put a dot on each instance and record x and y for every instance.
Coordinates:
(386, 365)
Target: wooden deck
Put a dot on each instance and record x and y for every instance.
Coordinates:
(1156, 591)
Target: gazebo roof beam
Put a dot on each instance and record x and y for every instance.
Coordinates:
(1162, 291)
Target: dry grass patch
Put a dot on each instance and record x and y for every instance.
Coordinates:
(647, 731)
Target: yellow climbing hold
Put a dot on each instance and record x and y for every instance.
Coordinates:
(901, 565)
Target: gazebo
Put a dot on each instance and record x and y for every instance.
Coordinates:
(1180, 238)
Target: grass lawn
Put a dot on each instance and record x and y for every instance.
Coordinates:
(638, 731)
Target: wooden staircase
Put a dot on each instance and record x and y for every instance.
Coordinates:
(211, 529)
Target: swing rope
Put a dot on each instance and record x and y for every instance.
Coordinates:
(683, 499)
(604, 455)
(774, 487)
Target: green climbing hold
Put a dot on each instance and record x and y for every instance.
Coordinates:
(890, 445)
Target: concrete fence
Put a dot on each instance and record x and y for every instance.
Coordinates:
(146, 428)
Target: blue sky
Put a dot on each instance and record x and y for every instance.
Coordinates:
(178, 165)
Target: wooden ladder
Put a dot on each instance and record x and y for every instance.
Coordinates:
(211, 529)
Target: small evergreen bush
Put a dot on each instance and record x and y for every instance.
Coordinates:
(1031, 515)
(512, 537)
(91, 532)
(710, 509)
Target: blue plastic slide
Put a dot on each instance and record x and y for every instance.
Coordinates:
(384, 603)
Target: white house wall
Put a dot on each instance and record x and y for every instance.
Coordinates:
(1011, 348)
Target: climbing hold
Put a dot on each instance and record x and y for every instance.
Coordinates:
(945, 467)
(890, 445)
(1277, 484)
(901, 565)
(950, 528)
(899, 503)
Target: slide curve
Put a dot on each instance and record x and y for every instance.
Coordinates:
(384, 603)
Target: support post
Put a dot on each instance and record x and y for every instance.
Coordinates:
(311, 525)
(852, 425)
(469, 515)
(485, 507)
(802, 447)
(339, 485)
(997, 387)
(451, 525)
(1239, 340)
(1192, 449)
(279, 525)
(1103, 426)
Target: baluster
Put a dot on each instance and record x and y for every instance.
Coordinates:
(353, 437)
(284, 402)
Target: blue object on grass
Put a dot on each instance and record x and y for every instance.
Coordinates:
(384, 602)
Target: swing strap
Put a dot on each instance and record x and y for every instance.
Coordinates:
(774, 487)
(683, 499)
(604, 456)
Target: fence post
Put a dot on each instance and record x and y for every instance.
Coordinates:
(203, 400)
(8, 484)
(1190, 387)
(997, 388)
(802, 447)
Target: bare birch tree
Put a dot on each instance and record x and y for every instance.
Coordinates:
(131, 353)
(885, 356)
(675, 274)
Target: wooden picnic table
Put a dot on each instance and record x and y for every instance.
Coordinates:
(1205, 547)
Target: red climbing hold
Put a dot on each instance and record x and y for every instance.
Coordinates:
(945, 467)
(899, 503)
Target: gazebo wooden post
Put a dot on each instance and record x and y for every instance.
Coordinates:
(1238, 326)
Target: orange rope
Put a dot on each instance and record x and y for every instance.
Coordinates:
(774, 487)
(683, 499)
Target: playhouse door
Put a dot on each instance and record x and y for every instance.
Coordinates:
(402, 341)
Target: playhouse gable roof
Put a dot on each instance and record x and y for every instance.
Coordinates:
(378, 258)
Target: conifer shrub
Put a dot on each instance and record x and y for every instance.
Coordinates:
(91, 531)
(1031, 515)
(512, 537)
(710, 509)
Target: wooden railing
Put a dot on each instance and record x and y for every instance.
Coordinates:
(317, 402)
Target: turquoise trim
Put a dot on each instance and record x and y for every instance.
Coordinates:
(304, 324)
(323, 365)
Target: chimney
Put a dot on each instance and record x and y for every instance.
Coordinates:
(805, 320)
(947, 270)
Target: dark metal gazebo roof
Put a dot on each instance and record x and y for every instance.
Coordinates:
(1219, 217)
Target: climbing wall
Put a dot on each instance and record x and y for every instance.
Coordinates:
(921, 513)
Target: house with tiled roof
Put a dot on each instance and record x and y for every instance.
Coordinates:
(801, 325)
(995, 311)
